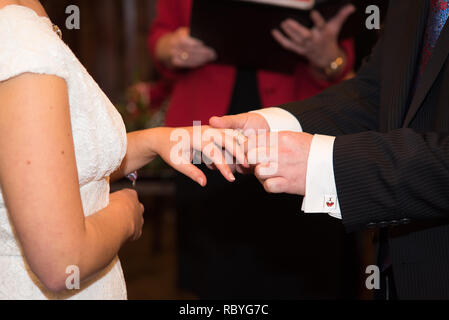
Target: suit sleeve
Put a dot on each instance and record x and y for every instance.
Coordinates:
(346, 108)
(384, 179)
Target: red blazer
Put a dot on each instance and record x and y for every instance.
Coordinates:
(206, 91)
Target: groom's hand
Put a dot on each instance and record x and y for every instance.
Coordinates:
(281, 161)
(247, 123)
(244, 122)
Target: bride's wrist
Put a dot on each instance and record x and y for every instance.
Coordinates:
(155, 138)
(143, 147)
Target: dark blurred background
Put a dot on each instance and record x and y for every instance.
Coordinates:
(112, 40)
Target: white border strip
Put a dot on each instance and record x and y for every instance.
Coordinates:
(296, 4)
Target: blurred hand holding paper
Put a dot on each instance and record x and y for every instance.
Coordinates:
(240, 30)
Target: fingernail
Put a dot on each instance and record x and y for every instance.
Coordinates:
(231, 177)
(201, 182)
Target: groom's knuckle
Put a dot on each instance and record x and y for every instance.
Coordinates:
(266, 186)
(270, 186)
(260, 172)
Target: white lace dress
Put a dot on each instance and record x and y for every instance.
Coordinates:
(29, 44)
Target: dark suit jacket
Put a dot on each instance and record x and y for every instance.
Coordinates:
(391, 155)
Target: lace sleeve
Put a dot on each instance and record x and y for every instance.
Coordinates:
(28, 44)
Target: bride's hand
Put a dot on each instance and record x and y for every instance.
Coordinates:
(131, 211)
(215, 147)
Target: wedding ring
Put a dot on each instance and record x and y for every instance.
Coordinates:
(239, 136)
(184, 56)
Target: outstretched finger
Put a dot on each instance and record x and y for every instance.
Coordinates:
(227, 139)
(229, 122)
(191, 171)
(214, 155)
(341, 17)
(234, 143)
(286, 43)
(318, 19)
(296, 31)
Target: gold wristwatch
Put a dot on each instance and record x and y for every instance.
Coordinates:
(334, 67)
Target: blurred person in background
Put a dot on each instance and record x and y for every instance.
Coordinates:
(255, 246)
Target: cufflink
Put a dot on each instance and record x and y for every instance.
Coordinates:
(330, 203)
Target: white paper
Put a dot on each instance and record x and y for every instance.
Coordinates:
(296, 4)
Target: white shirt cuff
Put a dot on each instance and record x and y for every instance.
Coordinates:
(321, 190)
(280, 120)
